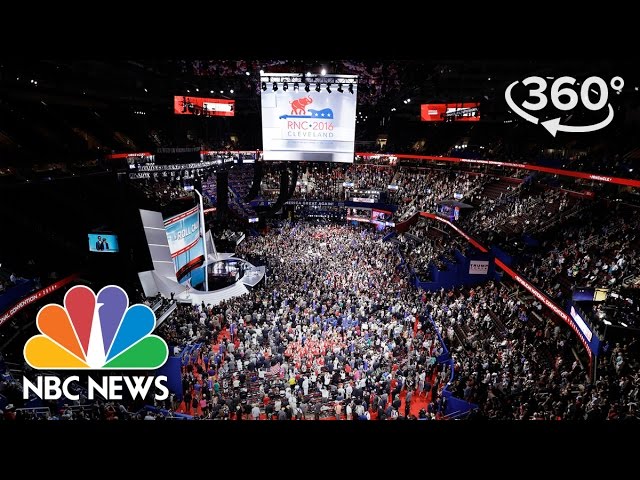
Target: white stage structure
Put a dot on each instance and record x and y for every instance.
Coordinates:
(163, 279)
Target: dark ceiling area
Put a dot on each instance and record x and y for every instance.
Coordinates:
(64, 110)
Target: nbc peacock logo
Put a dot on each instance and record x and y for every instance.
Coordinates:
(96, 332)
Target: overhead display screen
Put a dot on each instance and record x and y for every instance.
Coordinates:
(309, 126)
(210, 107)
(450, 112)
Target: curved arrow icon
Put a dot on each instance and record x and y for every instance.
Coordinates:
(554, 126)
(507, 96)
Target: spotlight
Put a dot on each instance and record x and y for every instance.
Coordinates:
(264, 86)
(295, 87)
(317, 87)
(306, 86)
(351, 88)
(323, 72)
(328, 88)
(231, 91)
(261, 72)
(275, 87)
(247, 73)
(197, 90)
(340, 87)
(308, 74)
(285, 87)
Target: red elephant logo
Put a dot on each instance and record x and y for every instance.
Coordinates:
(299, 106)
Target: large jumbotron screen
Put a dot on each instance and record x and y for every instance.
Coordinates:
(308, 126)
(186, 244)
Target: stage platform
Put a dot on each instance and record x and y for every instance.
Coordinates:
(252, 276)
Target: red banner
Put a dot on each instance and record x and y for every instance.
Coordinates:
(211, 107)
(454, 112)
(34, 297)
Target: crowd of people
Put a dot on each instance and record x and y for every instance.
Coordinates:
(522, 209)
(329, 335)
(595, 250)
(420, 190)
(516, 364)
(327, 182)
(425, 245)
(160, 190)
(336, 331)
(332, 332)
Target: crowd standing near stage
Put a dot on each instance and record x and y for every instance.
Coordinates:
(329, 335)
(299, 344)
(337, 332)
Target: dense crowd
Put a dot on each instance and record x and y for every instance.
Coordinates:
(425, 245)
(520, 210)
(336, 332)
(516, 364)
(420, 190)
(594, 250)
(330, 334)
(336, 315)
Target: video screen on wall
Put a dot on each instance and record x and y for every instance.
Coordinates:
(359, 214)
(380, 216)
(186, 245)
(315, 126)
(210, 107)
(103, 243)
(450, 112)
